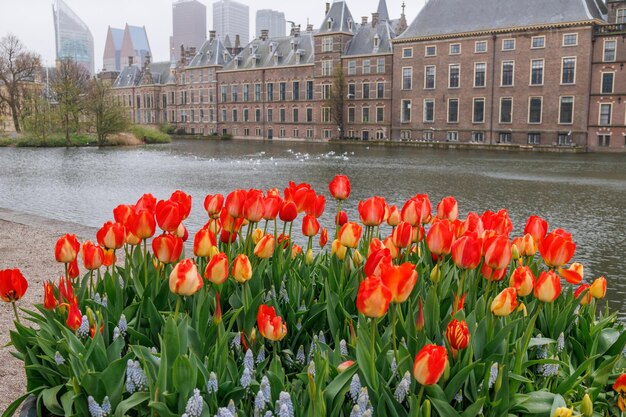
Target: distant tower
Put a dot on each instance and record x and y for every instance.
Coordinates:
(231, 19)
(272, 20)
(72, 36)
(402, 25)
(111, 59)
(189, 26)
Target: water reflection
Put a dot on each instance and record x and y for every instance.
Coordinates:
(585, 194)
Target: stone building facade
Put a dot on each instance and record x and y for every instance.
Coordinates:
(527, 73)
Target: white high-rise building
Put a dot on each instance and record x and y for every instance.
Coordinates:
(189, 26)
(272, 20)
(231, 19)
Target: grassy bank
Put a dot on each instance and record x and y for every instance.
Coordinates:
(149, 135)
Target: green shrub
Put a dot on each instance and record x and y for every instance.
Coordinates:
(149, 135)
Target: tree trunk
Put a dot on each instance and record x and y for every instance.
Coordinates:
(67, 130)
(16, 120)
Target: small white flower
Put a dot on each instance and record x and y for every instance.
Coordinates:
(195, 404)
(300, 355)
(58, 358)
(343, 347)
(246, 378)
(403, 388)
(355, 388)
(211, 385)
(493, 374)
(560, 343)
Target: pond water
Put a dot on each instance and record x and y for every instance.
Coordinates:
(582, 193)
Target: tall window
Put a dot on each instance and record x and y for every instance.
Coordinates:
(309, 115)
(480, 70)
(407, 78)
(327, 68)
(295, 115)
(506, 110)
(536, 72)
(380, 114)
(282, 115)
(534, 110)
(605, 113)
(295, 90)
(365, 114)
(326, 114)
(246, 92)
(270, 91)
(479, 110)
(607, 82)
(566, 110)
(246, 115)
(366, 90)
(429, 110)
(327, 44)
(406, 111)
(429, 76)
(380, 90)
(257, 115)
(234, 115)
(380, 65)
(351, 90)
(366, 66)
(351, 112)
(309, 90)
(620, 16)
(609, 50)
(257, 92)
(455, 74)
(270, 115)
(453, 110)
(352, 67)
(568, 75)
(224, 93)
(326, 91)
(234, 93)
(508, 68)
(282, 91)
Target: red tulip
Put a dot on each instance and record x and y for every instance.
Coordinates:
(131, 239)
(316, 206)
(74, 316)
(439, 238)
(373, 297)
(203, 242)
(66, 290)
(310, 226)
(466, 251)
(505, 303)
(142, 224)
(323, 237)
(270, 325)
(586, 299)
(146, 202)
(372, 211)
(497, 252)
(459, 303)
(216, 270)
(301, 194)
(242, 268)
(184, 202)
(213, 205)
(340, 187)
(394, 217)
(265, 248)
(111, 235)
(254, 206)
(66, 248)
(123, 212)
(419, 320)
(72, 269)
(501, 223)
(430, 363)
(400, 280)
(620, 385)
(375, 245)
(168, 215)
(536, 227)
(457, 334)
(349, 235)
(167, 248)
(473, 223)
(448, 209)
(49, 300)
(272, 205)
(288, 212)
(492, 274)
(92, 254)
(109, 257)
(230, 223)
(341, 218)
(235, 201)
(573, 274)
(598, 288)
(547, 287)
(402, 235)
(523, 280)
(185, 278)
(13, 285)
(376, 261)
(557, 248)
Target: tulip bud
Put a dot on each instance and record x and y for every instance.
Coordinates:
(586, 407)
(295, 251)
(217, 317)
(435, 275)
(338, 250)
(563, 412)
(522, 307)
(265, 248)
(419, 322)
(426, 408)
(257, 235)
(598, 288)
(344, 365)
(357, 258)
(309, 257)
(515, 251)
(242, 269)
(498, 383)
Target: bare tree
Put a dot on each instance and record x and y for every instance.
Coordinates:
(17, 69)
(70, 85)
(336, 100)
(108, 118)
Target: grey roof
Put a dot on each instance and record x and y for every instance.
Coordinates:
(133, 76)
(445, 17)
(363, 42)
(383, 13)
(275, 52)
(340, 19)
(118, 37)
(211, 53)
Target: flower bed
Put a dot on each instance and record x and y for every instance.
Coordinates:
(412, 312)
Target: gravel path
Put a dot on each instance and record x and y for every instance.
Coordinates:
(27, 242)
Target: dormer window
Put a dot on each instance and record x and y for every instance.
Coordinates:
(376, 41)
(329, 24)
(350, 24)
(272, 47)
(275, 59)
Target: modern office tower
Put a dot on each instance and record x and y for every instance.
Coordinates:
(72, 36)
(272, 20)
(231, 19)
(124, 47)
(189, 26)
(111, 59)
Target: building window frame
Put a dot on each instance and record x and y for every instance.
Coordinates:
(508, 44)
(367, 66)
(380, 114)
(407, 52)
(569, 77)
(407, 78)
(500, 113)
(453, 110)
(536, 72)
(604, 141)
(502, 73)
(480, 47)
(430, 50)
(426, 112)
(428, 85)
(532, 111)
(405, 111)
(454, 48)
(454, 75)
(327, 68)
(570, 39)
(478, 81)
(571, 111)
(365, 114)
(538, 42)
(327, 44)
(605, 117)
(478, 137)
(620, 15)
(380, 90)
(352, 67)
(476, 100)
(534, 138)
(609, 50)
(604, 82)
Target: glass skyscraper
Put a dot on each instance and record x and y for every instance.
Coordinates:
(72, 36)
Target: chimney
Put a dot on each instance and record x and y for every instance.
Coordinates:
(295, 31)
(374, 19)
(364, 20)
(327, 7)
(211, 35)
(264, 34)
(309, 27)
(237, 41)
(130, 61)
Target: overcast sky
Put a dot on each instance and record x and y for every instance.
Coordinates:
(31, 20)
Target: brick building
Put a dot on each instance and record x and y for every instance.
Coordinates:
(498, 72)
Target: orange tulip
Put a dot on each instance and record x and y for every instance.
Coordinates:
(400, 280)
(500, 222)
(265, 248)
(66, 291)
(523, 280)
(424, 206)
(466, 252)
(473, 223)
(230, 223)
(419, 320)
(131, 239)
(213, 205)
(49, 300)
(66, 248)
(185, 278)
(448, 209)
(302, 195)
(270, 325)
(393, 249)
(344, 365)
(375, 245)
(323, 237)
(573, 274)
(414, 211)
(288, 211)
(168, 215)
(505, 303)
(598, 288)
(586, 299)
(341, 218)
(167, 248)
(242, 269)
(536, 227)
(142, 224)
(349, 234)
(373, 297)
(339, 187)
(234, 203)
(109, 257)
(184, 203)
(74, 316)
(72, 269)
(430, 363)
(402, 235)
(13, 285)
(497, 252)
(254, 206)
(338, 250)
(316, 206)
(548, 287)
(203, 242)
(394, 217)
(257, 235)
(271, 206)
(216, 270)
(297, 250)
(557, 248)
(372, 211)
(439, 238)
(123, 212)
(492, 274)
(620, 388)
(146, 202)
(310, 225)
(93, 255)
(111, 235)
(376, 261)
(457, 334)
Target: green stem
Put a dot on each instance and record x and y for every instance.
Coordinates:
(93, 287)
(394, 310)
(67, 277)
(145, 263)
(373, 353)
(337, 218)
(178, 302)
(419, 400)
(17, 317)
